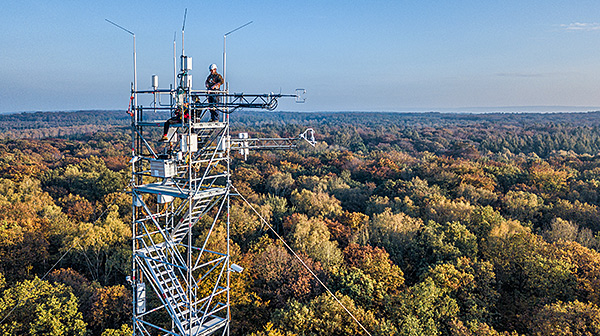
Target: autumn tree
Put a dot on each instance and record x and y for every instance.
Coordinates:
(111, 307)
(523, 206)
(312, 237)
(81, 287)
(278, 276)
(375, 262)
(280, 184)
(125, 330)
(25, 213)
(369, 277)
(586, 269)
(271, 330)
(472, 284)
(566, 319)
(392, 231)
(315, 204)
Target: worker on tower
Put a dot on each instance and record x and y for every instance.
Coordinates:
(176, 119)
(213, 82)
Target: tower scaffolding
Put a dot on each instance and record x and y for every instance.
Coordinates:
(181, 265)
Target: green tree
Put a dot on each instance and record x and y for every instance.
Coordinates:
(125, 330)
(102, 247)
(439, 243)
(324, 316)
(361, 287)
(90, 178)
(40, 308)
(425, 309)
(530, 274)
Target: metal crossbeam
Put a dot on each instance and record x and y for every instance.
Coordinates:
(273, 143)
(231, 102)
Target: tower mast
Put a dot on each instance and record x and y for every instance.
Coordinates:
(181, 264)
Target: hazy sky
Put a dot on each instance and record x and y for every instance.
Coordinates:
(349, 55)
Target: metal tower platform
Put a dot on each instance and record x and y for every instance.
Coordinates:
(181, 197)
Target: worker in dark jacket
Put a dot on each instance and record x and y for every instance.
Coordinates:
(176, 119)
(213, 82)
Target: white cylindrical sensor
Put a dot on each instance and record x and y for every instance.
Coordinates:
(187, 82)
(186, 63)
(155, 82)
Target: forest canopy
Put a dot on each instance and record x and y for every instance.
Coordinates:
(421, 223)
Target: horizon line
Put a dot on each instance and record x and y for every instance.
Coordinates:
(453, 110)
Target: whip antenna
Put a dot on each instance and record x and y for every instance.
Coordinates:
(225, 53)
(134, 93)
(129, 31)
(182, 32)
(174, 59)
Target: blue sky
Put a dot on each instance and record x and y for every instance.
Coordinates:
(357, 56)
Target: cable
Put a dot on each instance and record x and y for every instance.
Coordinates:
(301, 261)
(60, 259)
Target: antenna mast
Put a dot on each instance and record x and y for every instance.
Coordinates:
(174, 59)
(180, 190)
(183, 33)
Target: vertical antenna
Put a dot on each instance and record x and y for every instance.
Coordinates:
(182, 33)
(174, 60)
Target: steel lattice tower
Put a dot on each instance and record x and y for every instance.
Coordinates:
(181, 266)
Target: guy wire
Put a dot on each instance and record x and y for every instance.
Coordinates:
(301, 261)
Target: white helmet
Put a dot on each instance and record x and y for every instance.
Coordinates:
(212, 66)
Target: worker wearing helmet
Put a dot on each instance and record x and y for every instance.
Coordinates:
(213, 82)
